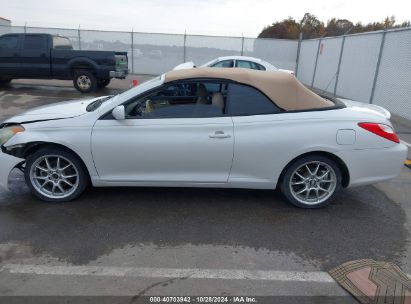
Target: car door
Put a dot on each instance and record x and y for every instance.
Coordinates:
(168, 136)
(35, 56)
(10, 55)
(260, 136)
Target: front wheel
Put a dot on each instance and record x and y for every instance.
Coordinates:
(84, 81)
(311, 182)
(55, 175)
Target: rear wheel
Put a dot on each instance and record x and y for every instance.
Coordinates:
(84, 81)
(101, 83)
(311, 182)
(55, 175)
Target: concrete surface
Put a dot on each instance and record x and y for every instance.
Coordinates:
(131, 242)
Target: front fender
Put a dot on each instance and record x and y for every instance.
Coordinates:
(81, 148)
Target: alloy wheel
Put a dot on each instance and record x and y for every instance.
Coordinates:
(313, 183)
(54, 176)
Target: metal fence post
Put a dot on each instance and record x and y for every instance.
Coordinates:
(79, 37)
(339, 66)
(377, 68)
(316, 61)
(25, 27)
(297, 61)
(132, 51)
(242, 45)
(184, 47)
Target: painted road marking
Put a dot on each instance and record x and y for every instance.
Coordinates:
(136, 272)
(192, 273)
(405, 143)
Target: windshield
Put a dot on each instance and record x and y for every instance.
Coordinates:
(141, 86)
(124, 95)
(209, 63)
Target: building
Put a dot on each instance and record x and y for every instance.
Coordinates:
(5, 22)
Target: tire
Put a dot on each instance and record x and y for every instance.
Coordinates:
(5, 81)
(303, 174)
(102, 83)
(84, 81)
(54, 180)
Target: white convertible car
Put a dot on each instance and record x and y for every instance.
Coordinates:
(231, 128)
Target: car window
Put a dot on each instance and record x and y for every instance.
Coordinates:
(34, 42)
(248, 65)
(182, 100)
(245, 100)
(61, 43)
(10, 42)
(224, 64)
(259, 66)
(243, 64)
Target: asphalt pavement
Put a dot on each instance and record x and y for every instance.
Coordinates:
(136, 242)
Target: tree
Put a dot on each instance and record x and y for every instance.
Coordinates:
(286, 29)
(337, 27)
(311, 27)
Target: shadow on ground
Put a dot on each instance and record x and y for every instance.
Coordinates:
(361, 223)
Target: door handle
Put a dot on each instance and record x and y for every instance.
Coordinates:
(219, 134)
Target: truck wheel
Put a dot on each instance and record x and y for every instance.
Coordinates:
(84, 81)
(102, 83)
(5, 81)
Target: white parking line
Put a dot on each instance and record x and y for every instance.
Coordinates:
(136, 272)
(405, 143)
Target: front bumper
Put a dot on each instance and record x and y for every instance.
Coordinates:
(374, 165)
(7, 164)
(119, 74)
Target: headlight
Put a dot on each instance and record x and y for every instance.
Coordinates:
(9, 132)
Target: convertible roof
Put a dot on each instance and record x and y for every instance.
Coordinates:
(284, 89)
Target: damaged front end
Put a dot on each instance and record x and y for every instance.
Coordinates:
(8, 161)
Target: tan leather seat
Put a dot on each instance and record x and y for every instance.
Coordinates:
(149, 106)
(218, 100)
(202, 94)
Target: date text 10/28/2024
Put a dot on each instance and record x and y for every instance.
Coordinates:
(206, 299)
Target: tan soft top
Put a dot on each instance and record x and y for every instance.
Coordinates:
(284, 89)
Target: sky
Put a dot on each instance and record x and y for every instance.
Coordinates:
(204, 17)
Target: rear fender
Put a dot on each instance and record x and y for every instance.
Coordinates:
(82, 63)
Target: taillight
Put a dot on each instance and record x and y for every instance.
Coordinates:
(381, 130)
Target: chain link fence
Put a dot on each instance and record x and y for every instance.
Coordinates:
(155, 54)
(369, 67)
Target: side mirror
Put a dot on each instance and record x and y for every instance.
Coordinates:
(119, 113)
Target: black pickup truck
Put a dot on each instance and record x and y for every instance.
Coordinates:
(45, 56)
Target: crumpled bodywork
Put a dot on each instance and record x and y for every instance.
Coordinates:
(7, 164)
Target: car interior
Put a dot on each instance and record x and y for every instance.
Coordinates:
(189, 99)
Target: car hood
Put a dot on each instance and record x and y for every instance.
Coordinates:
(60, 110)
